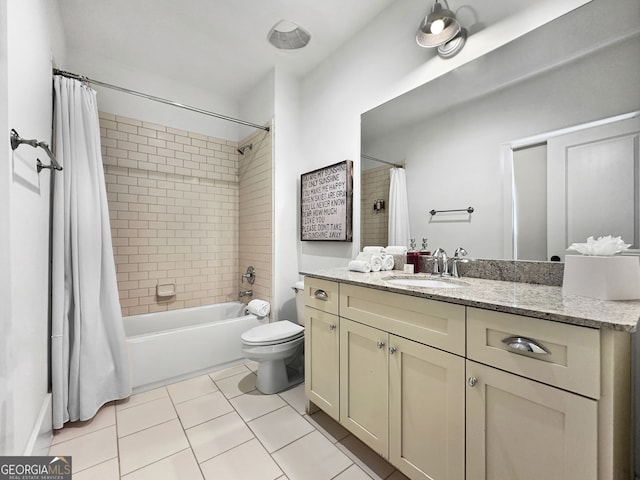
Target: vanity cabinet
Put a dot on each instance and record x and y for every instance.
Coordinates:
(451, 392)
(403, 398)
(321, 343)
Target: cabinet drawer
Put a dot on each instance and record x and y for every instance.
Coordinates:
(568, 358)
(438, 324)
(321, 294)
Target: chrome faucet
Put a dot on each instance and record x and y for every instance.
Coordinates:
(440, 255)
(246, 293)
(457, 257)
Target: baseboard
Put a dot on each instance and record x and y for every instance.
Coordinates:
(42, 433)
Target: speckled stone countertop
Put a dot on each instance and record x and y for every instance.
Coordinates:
(539, 301)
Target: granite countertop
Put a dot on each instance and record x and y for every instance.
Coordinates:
(539, 301)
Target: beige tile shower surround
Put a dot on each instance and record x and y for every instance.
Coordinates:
(174, 204)
(375, 226)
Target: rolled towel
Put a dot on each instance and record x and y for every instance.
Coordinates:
(387, 262)
(359, 266)
(376, 250)
(396, 250)
(373, 259)
(260, 308)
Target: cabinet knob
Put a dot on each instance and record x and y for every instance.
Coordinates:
(472, 381)
(380, 344)
(392, 350)
(321, 295)
(332, 326)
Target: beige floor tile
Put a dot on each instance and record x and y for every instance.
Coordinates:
(237, 384)
(327, 426)
(296, 398)
(312, 457)
(147, 446)
(280, 428)
(354, 472)
(155, 412)
(104, 471)
(192, 388)
(247, 461)
(140, 398)
(253, 366)
(181, 466)
(90, 449)
(255, 404)
(229, 372)
(201, 409)
(372, 463)
(104, 418)
(218, 435)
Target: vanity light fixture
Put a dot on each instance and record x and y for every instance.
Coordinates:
(286, 35)
(440, 29)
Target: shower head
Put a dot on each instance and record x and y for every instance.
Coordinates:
(244, 148)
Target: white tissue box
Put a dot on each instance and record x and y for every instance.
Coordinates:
(605, 278)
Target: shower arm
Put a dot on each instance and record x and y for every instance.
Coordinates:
(17, 140)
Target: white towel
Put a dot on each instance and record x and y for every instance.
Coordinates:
(359, 266)
(372, 259)
(388, 262)
(396, 250)
(259, 308)
(376, 250)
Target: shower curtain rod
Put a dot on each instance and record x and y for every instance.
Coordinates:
(159, 99)
(368, 157)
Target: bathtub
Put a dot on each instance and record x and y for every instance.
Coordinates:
(168, 346)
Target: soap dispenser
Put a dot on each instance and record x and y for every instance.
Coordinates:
(413, 256)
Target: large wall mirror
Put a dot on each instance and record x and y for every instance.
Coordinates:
(539, 136)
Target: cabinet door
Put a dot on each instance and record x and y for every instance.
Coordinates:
(519, 429)
(364, 389)
(426, 411)
(322, 360)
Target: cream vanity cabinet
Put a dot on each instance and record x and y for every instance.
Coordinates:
(545, 400)
(404, 398)
(321, 343)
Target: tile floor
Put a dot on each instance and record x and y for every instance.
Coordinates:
(216, 426)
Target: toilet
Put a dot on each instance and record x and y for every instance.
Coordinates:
(278, 347)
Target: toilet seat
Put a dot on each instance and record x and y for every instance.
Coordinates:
(273, 333)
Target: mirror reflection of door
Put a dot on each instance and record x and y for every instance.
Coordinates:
(592, 183)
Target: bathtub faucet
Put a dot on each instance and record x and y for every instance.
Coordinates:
(246, 293)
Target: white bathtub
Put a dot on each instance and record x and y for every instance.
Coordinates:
(168, 346)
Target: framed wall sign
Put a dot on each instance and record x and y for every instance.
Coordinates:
(326, 201)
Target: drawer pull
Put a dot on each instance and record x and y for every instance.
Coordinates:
(526, 345)
(321, 295)
(380, 344)
(332, 326)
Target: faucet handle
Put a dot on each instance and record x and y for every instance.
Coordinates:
(460, 252)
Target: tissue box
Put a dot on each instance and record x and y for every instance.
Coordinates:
(606, 278)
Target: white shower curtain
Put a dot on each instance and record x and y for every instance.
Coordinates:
(399, 231)
(88, 353)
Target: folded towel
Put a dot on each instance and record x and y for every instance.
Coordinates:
(374, 260)
(376, 250)
(396, 250)
(260, 308)
(388, 262)
(359, 266)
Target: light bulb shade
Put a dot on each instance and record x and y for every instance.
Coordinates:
(440, 34)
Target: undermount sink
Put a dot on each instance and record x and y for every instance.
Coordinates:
(423, 282)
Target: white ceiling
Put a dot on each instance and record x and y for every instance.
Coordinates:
(217, 45)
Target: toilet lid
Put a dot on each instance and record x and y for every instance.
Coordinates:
(276, 332)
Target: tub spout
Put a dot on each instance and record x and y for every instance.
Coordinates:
(246, 293)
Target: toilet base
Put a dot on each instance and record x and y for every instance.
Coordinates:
(274, 376)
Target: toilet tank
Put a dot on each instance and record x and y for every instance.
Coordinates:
(299, 289)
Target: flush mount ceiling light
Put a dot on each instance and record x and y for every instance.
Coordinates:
(287, 35)
(440, 29)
